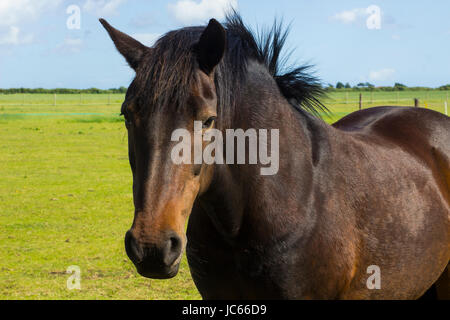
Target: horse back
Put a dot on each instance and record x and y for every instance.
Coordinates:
(423, 133)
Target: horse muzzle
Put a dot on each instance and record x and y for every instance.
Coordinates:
(155, 260)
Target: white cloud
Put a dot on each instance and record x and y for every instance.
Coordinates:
(382, 75)
(372, 16)
(73, 42)
(14, 37)
(14, 13)
(148, 39)
(190, 11)
(70, 45)
(103, 7)
(350, 16)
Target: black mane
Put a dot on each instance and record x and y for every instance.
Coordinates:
(165, 74)
(300, 88)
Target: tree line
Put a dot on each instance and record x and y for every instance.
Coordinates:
(340, 86)
(366, 86)
(63, 90)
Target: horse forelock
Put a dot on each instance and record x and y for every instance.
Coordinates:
(164, 78)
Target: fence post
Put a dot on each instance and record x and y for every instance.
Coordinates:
(109, 99)
(446, 110)
(346, 97)
(54, 99)
(360, 101)
(446, 101)
(81, 101)
(416, 102)
(398, 97)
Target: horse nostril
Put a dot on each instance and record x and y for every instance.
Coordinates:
(132, 248)
(175, 243)
(173, 249)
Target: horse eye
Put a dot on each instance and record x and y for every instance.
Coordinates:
(127, 121)
(208, 123)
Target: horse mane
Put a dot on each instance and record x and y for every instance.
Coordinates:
(164, 76)
(296, 83)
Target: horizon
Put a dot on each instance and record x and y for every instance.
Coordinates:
(325, 86)
(60, 44)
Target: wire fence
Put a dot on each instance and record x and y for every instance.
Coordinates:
(336, 101)
(380, 96)
(38, 99)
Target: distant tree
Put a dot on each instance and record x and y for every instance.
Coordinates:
(365, 85)
(339, 85)
(348, 86)
(399, 86)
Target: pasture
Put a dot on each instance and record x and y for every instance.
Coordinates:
(66, 199)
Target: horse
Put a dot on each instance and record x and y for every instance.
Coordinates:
(357, 210)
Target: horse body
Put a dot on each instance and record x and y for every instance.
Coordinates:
(372, 190)
(368, 191)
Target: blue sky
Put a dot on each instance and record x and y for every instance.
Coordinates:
(410, 43)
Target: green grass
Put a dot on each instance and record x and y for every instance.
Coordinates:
(65, 199)
(61, 99)
(342, 103)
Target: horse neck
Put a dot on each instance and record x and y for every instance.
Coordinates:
(244, 199)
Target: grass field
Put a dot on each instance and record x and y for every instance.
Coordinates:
(65, 196)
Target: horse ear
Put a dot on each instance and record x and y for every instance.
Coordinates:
(131, 49)
(211, 46)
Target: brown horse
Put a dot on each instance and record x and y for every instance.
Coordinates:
(358, 210)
